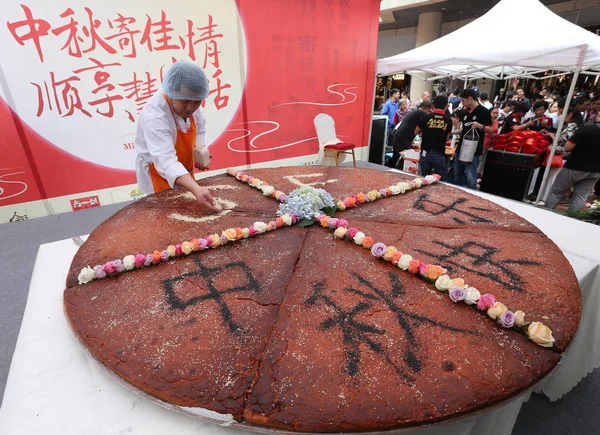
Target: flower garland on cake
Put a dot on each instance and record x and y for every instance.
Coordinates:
(305, 206)
(456, 289)
(395, 189)
(261, 185)
(212, 241)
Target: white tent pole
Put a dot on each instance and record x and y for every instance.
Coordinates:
(560, 127)
(561, 122)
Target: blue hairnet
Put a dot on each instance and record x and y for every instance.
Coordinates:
(185, 81)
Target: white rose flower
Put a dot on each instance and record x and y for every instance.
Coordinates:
(403, 186)
(287, 219)
(268, 190)
(418, 182)
(129, 262)
(404, 261)
(473, 296)
(245, 233)
(358, 238)
(86, 275)
(395, 190)
(261, 227)
(231, 171)
(431, 179)
(444, 283)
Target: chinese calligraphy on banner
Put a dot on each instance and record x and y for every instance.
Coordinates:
(76, 76)
(93, 68)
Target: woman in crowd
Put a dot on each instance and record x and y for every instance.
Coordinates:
(500, 97)
(488, 140)
(541, 121)
(402, 111)
(404, 96)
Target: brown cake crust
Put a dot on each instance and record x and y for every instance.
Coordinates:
(295, 329)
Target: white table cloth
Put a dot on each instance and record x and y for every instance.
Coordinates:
(55, 387)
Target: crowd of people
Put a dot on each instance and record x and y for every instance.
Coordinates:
(471, 121)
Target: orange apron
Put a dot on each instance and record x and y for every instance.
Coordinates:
(184, 147)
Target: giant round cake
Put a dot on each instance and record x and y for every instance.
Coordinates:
(301, 328)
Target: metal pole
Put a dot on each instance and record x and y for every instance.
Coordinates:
(561, 124)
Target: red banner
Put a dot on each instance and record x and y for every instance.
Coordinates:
(76, 78)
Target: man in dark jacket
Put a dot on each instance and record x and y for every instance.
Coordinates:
(404, 134)
(435, 128)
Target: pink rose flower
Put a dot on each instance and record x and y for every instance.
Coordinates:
(140, 259)
(208, 241)
(422, 268)
(486, 301)
(109, 268)
(342, 223)
(178, 250)
(253, 231)
(352, 232)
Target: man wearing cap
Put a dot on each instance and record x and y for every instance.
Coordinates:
(169, 128)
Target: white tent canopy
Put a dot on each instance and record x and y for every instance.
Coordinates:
(477, 50)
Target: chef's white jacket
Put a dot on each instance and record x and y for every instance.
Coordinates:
(155, 141)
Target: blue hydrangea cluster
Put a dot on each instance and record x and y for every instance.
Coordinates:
(306, 202)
